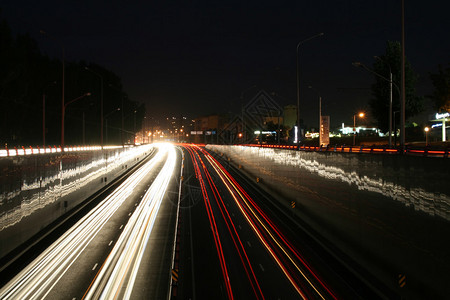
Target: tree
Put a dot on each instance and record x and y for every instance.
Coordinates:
(379, 105)
(26, 74)
(441, 94)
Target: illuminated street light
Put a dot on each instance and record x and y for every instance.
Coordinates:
(106, 121)
(43, 112)
(361, 115)
(63, 116)
(62, 97)
(298, 86)
(390, 98)
(101, 103)
(320, 114)
(121, 109)
(427, 129)
(359, 64)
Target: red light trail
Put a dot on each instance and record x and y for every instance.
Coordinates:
(302, 276)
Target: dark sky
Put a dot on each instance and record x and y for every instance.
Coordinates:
(197, 57)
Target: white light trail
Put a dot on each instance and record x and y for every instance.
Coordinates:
(121, 267)
(37, 279)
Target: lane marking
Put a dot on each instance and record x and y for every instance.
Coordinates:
(129, 214)
(261, 267)
(121, 226)
(249, 243)
(95, 266)
(110, 243)
(240, 227)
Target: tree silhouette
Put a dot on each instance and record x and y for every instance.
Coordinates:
(379, 105)
(441, 94)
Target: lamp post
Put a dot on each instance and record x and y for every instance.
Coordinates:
(121, 110)
(101, 102)
(242, 112)
(62, 97)
(390, 99)
(134, 130)
(63, 114)
(298, 81)
(43, 111)
(320, 114)
(395, 127)
(426, 129)
(361, 115)
(359, 64)
(403, 102)
(106, 121)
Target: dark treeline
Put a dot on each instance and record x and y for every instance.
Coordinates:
(27, 77)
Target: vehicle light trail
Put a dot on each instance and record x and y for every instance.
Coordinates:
(37, 279)
(302, 277)
(116, 277)
(195, 157)
(197, 160)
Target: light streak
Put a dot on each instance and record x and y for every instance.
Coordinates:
(195, 157)
(117, 275)
(37, 279)
(271, 237)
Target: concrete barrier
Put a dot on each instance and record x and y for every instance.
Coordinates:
(390, 213)
(37, 189)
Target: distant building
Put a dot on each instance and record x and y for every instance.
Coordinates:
(360, 130)
(206, 129)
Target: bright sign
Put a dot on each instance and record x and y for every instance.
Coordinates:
(442, 116)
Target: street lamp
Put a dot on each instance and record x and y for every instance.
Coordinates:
(359, 64)
(62, 97)
(101, 103)
(63, 115)
(390, 98)
(43, 111)
(106, 121)
(134, 130)
(427, 129)
(242, 110)
(298, 83)
(121, 110)
(320, 114)
(361, 115)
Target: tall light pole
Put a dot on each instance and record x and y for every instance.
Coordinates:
(426, 129)
(134, 130)
(121, 109)
(242, 111)
(43, 111)
(62, 97)
(359, 64)
(106, 118)
(101, 102)
(64, 110)
(320, 114)
(390, 99)
(361, 115)
(298, 81)
(403, 102)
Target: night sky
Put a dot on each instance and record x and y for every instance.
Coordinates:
(193, 58)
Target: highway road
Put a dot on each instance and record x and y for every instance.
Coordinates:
(101, 255)
(239, 243)
(186, 225)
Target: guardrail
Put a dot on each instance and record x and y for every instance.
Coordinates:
(408, 150)
(30, 150)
